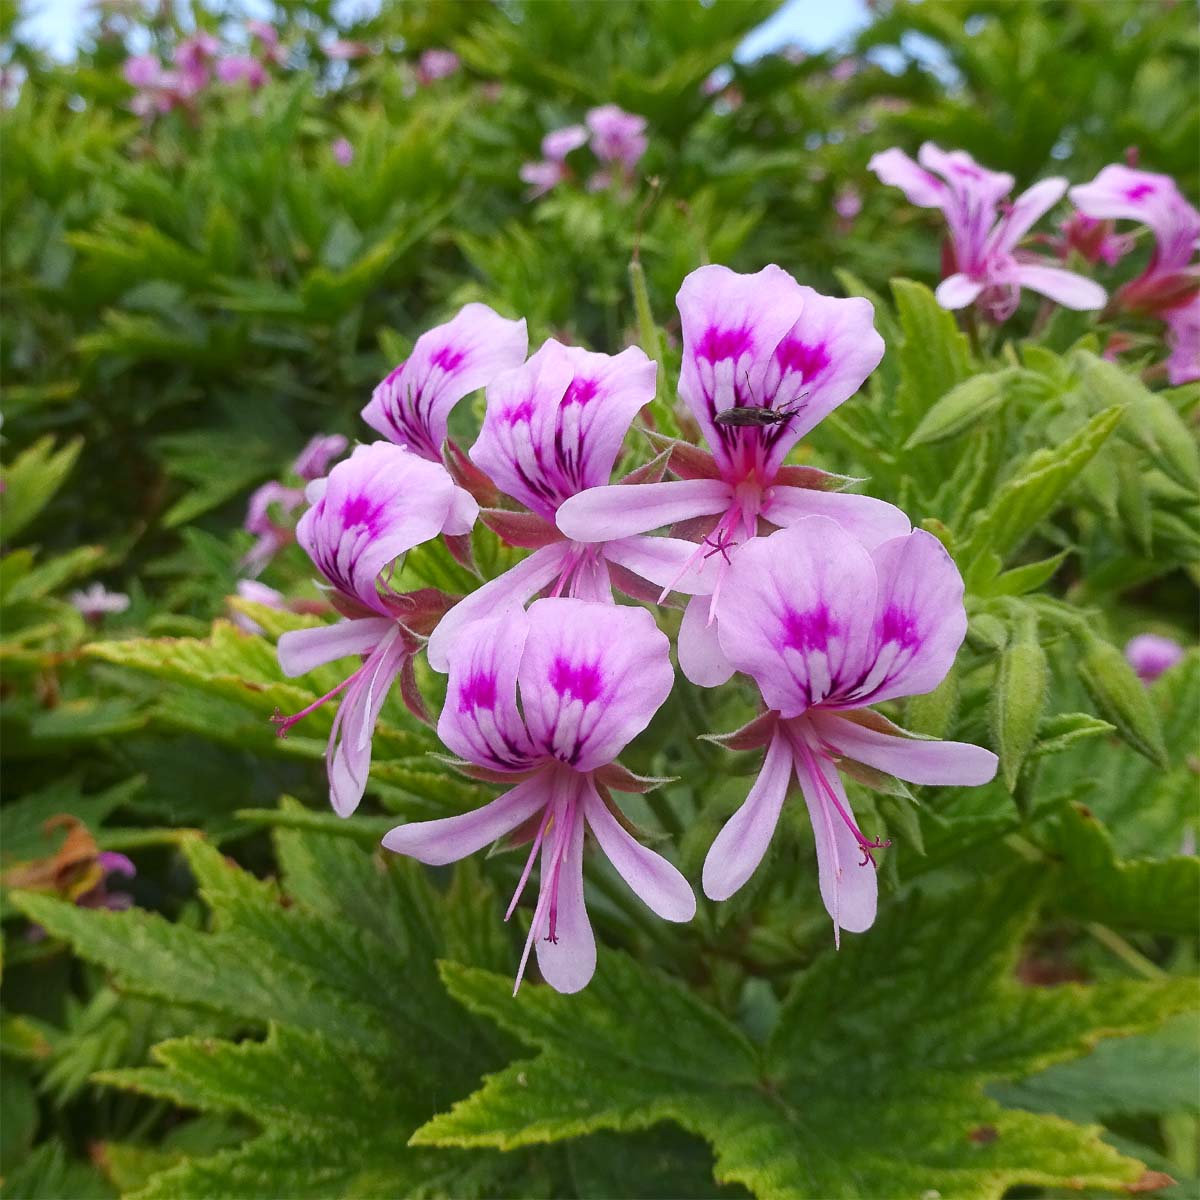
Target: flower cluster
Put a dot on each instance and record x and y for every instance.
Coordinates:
(1169, 287)
(617, 140)
(982, 262)
(195, 61)
(827, 600)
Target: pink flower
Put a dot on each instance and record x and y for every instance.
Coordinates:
(159, 90)
(372, 509)
(1122, 193)
(267, 37)
(436, 64)
(241, 68)
(552, 170)
(843, 69)
(558, 143)
(543, 177)
(1095, 240)
(341, 50)
(110, 863)
(1151, 655)
(343, 151)
(313, 461)
(192, 57)
(1183, 339)
(261, 520)
(847, 204)
(752, 345)
(142, 71)
(590, 678)
(97, 601)
(985, 267)
(825, 628)
(257, 593)
(412, 406)
(617, 136)
(554, 428)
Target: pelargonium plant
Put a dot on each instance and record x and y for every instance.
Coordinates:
(826, 599)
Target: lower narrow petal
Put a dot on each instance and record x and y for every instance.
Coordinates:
(848, 885)
(662, 560)
(1063, 287)
(957, 291)
(350, 762)
(301, 650)
(657, 883)
(451, 838)
(701, 658)
(569, 962)
(739, 847)
(952, 764)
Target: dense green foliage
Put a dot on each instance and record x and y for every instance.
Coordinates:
(284, 1013)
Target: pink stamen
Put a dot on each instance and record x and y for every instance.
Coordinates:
(544, 896)
(537, 842)
(286, 723)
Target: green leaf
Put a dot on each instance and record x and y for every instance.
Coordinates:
(1145, 1075)
(1027, 578)
(53, 574)
(969, 403)
(1034, 489)
(362, 1043)
(1061, 731)
(18, 1116)
(228, 687)
(1019, 695)
(32, 480)
(1119, 694)
(1157, 895)
(934, 356)
(49, 1174)
(1151, 422)
(924, 1006)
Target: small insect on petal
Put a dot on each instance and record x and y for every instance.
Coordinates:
(759, 417)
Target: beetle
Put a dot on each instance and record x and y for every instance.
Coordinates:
(758, 418)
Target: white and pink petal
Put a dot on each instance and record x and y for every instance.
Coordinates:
(591, 677)
(413, 404)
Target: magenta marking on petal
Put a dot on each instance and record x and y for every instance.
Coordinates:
(577, 682)
(900, 627)
(808, 361)
(1139, 191)
(519, 413)
(718, 344)
(447, 358)
(361, 510)
(810, 630)
(580, 391)
(477, 692)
